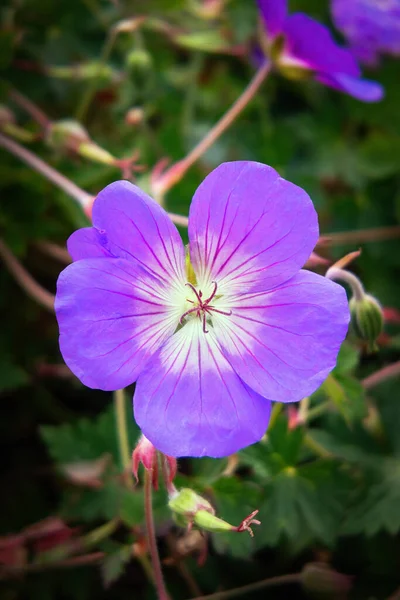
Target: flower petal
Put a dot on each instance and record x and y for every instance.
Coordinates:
(283, 343)
(189, 402)
(112, 316)
(135, 227)
(249, 228)
(362, 89)
(312, 43)
(88, 242)
(273, 13)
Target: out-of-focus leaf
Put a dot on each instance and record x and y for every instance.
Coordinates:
(114, 563)
(206, 41)
(347, 394)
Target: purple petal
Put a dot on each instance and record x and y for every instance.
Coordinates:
(88, 242)
(249, 228)
(362, 89)
(370, 26)
(283, 343)
(135, 227)
(312, 43)
(189, 402)
(274, 14)
(112, 316)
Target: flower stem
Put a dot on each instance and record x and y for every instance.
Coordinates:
(122, 434)
(25, 280)
(34, 111)
(100, 533)
(176, 172)
(355, 284)
(253, 587)
(151, 538)
(82, 197)
(375, 234)
(382, 375)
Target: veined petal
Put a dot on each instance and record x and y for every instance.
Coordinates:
(312, 43)
(129, 224)
(88, 242)
(362, 89)
(249, 229)
(113, 316)
(189, 402)
(283, 343)
(273, 13)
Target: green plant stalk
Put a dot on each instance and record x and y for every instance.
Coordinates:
(122, 434)
(253, 587)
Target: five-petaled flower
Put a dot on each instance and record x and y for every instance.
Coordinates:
(210, 341)
(299, 44)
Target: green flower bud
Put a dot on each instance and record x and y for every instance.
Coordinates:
(366, 319)
(67, 135)
(139, 61)
(192, 510)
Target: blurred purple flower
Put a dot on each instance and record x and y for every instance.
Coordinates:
(371, 27)
(298, 43)
(210, 340)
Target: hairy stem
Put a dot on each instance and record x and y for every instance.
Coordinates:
(382, 375)
(341, 275)
(122, 434)
(28, 106)
(376, 234)
(25, 280)
(83, 198)
(253, 587)
(151, 538)
(176, 172)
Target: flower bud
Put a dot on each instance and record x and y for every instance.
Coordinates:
(319, 579)
(207, 9)
(146, 454)
(366, 319)
(69, 135)
(134, 116)
(192, 510)
(139, 61)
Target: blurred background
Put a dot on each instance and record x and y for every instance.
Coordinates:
(106, 89)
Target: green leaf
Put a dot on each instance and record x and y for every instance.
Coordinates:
(347, 394)
(206, 41)
(114, 563)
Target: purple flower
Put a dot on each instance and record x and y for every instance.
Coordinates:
(372, 27)
(212, 340)
(298, 43)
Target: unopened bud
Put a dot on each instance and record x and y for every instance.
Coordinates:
(67, 135)
(366, 319)
(139, 61)
(146, 454)
(192, 510)
(86, 71)
(134, 116)
(207, 9)
(318, 579)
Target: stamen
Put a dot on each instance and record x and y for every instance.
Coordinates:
(221, 312)
(196, 293)
(205, 323)
(212, 294)
(196, 308)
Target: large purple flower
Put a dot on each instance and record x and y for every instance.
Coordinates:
(372, 27)
(296, 42)
(210, 340)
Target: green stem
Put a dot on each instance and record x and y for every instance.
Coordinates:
(253, 587)
(316, 447)
(122, 434)
(318, 410)
(151, 538)
(100, 533)
(276, 411)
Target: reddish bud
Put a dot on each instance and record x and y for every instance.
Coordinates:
(48, 534)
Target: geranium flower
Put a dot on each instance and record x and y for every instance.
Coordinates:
(210, 340)
(371, 27)
(299, 44)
